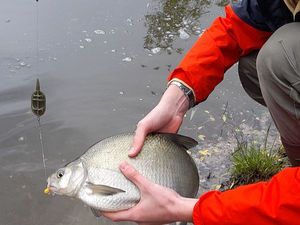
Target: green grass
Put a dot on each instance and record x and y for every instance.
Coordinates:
(252, 163)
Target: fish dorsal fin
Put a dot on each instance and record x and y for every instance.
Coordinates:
(184, 141)
(103, 189)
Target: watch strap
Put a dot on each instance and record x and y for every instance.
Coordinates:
(186, 90)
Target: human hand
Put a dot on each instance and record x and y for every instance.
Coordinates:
(158, 204)
(166, 117)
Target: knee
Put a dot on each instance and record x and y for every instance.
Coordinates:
(277, 56)
(270, 60)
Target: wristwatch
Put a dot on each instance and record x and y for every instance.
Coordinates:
(186, 90)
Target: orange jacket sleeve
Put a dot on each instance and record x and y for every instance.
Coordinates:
(220, 46)
(276, 202)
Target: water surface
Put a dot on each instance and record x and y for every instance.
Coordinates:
(103, 66)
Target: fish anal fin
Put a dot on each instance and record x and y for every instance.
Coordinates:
(103, 189)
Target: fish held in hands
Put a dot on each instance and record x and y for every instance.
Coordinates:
(95, 178)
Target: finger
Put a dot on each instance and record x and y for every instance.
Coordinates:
(133, 175)
(138, 141)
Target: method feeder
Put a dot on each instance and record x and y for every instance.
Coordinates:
(38, 101)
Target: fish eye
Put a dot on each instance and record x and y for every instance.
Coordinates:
(60, 173)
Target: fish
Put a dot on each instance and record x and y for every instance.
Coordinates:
(95, 178)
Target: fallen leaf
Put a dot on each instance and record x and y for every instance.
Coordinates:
(201, 137)
(204, 152)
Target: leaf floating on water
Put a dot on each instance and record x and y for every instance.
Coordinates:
(155, 50)
(129, 21)
(201, 137)
(88, 40)
(224, 118)
(22, 64)
(206, 111)
(183, 34)
(127, 59)
(21, 139)
(211, 118)
(99, 32)
(193, 113)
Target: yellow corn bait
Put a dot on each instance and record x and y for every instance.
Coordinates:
(46, 191)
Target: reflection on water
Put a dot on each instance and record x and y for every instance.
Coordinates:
(173, 19)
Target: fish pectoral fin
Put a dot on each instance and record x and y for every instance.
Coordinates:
(96, 212)
(103, 189)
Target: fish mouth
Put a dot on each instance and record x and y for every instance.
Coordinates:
(51, 190)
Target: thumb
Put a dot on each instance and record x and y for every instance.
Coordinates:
(133, 175)
(138, 142)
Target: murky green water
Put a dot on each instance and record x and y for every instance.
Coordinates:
(103, 66)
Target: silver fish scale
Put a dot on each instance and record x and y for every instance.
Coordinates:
(161, 160)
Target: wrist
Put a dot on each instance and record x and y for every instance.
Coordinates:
(183, 208)
(187, 91)
(175, 99)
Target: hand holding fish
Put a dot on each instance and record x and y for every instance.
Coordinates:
(158, 205)
(95, 177)
(166, 117)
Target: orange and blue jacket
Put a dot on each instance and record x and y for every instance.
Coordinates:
(247, 26)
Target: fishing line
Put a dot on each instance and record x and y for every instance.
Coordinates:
(37, 39)
(38, 98)
(42, 146)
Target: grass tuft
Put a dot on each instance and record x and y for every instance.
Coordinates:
(252, 163)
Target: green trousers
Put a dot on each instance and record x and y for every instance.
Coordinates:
(271, 77)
